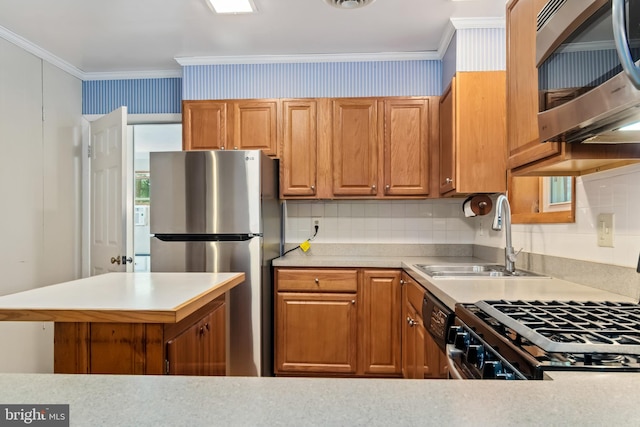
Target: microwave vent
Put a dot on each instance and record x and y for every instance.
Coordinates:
(548, 11)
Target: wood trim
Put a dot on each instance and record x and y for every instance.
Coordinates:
(70, 348)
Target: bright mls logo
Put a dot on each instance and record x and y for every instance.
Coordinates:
(34, 415)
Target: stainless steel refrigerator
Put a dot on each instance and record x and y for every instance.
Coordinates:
(218, 211)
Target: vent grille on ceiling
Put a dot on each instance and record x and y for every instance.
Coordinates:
(349, 4)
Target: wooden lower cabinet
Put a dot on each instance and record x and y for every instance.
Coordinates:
(193, 346)
(337, 322)
(199, 350)
(421, 356)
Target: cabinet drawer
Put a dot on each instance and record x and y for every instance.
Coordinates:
(317, 280)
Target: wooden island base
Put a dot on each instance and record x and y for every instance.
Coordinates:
(193, 346)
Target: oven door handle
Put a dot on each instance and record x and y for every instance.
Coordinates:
(622, 43)
(453, 352)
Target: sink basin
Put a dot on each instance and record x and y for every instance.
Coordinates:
(473, 270)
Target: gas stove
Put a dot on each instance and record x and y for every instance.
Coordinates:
(523, 339)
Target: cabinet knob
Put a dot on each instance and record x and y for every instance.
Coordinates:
(373, 187)
(387, 187)
(222, 148)
(448, 181)
(316, 280)
(402, 282)
(411, 322)
(313, 187)
(353, 301)
(235, 148)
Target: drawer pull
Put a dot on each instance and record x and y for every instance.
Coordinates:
(316, 280)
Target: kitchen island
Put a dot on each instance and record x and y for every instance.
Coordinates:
(132, 323)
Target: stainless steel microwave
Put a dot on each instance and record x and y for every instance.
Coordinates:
(587, 53)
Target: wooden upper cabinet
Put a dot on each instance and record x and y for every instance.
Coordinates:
(354, 145)
(406, 147)
(522, 85)
(231, 125)
(473, 134)
(204, 125)
(255, 125)
(447, 159)
(298, 165)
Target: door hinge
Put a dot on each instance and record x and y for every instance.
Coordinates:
(43, 113)
(166, 366)
(89, 151)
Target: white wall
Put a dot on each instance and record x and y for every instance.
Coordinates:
(615, 191)
(379, 221)
(40, 194)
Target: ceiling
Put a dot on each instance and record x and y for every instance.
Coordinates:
(120, 36)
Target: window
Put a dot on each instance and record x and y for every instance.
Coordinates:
(556, 193)
(142, 188)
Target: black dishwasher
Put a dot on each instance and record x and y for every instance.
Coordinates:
(437, 318)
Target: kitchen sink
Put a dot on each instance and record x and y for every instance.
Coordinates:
(473, 270)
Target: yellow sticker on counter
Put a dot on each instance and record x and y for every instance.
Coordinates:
(305, 246)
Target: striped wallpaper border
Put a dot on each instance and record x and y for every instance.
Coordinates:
(481, 49)
(312, 80)
(141, 96)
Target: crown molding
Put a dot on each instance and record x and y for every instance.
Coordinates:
(132, 75)
(465, 23)
(292, 59)
(25, 44)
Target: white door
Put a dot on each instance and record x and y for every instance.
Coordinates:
(111, 208)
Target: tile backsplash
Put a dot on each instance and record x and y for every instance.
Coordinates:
(614, 191)
(379, 221)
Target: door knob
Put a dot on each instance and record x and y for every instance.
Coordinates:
(126, 259)
(115, 260)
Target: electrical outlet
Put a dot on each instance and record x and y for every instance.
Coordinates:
(315, 221)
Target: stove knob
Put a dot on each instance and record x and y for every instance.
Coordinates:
(475, 354)
(491, 369)
(462, 341)
(451, 336)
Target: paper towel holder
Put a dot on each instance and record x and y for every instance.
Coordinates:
(477, 204)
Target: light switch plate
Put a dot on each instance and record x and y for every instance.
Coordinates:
(605, 230)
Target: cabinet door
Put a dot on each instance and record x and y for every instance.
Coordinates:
(184, 352)
(522, 85)
(255, 126)
(435, 362)
(406, 147)
(355, 147)
(380, 324)
(204, 125)
(201, 348)
(448, 136)
(298, 166)
(214, 342)
(316, 333)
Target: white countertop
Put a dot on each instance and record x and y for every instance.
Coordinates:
(124, 297)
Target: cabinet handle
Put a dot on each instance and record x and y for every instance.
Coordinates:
(206, 325)
(411, 322)
(448, 181)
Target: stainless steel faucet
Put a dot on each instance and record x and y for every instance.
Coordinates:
(503, 217)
